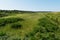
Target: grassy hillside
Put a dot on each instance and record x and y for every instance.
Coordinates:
(25, 25)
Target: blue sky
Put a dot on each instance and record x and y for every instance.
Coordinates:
(30, 5)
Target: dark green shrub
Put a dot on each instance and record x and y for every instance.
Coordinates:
(2, 24)
(4, 21)
(44, 38)
(2, 34)
(36, 29)
(42, 22)
(12, 20)
(52, 35)
(16, 39)
(26, 38)
(49, 25)
(56, 39)
(42, 30)
(3, 14)
(16, 26)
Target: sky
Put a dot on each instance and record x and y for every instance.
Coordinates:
(30, 5)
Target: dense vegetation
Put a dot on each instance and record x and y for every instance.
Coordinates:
(27, 25)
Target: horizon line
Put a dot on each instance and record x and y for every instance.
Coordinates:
(29, 10)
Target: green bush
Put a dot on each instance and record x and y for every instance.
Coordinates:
(42, 30)
(4, 21)
(45, 38)
(16, 26)
(12, 20)
(2, 34)
(49, 25)
(2, 24)
(16, 39)
(3, 14)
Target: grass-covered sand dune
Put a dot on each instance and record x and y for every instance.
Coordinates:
(28, 25)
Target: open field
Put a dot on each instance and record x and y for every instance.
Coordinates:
(29, 25)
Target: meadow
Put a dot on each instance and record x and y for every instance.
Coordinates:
(28, 25)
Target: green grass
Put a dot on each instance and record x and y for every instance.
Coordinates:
(33, 26)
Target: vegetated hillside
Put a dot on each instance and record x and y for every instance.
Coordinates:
(24, 25)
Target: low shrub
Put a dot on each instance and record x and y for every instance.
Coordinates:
(16, 26)
(4, 21)
(49, 25)
(2, 34)
(12, 20)
(3, 14)
(16, 39)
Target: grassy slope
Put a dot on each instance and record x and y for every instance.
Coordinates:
(31, 21)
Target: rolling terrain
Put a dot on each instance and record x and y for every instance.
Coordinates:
(28, 25)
